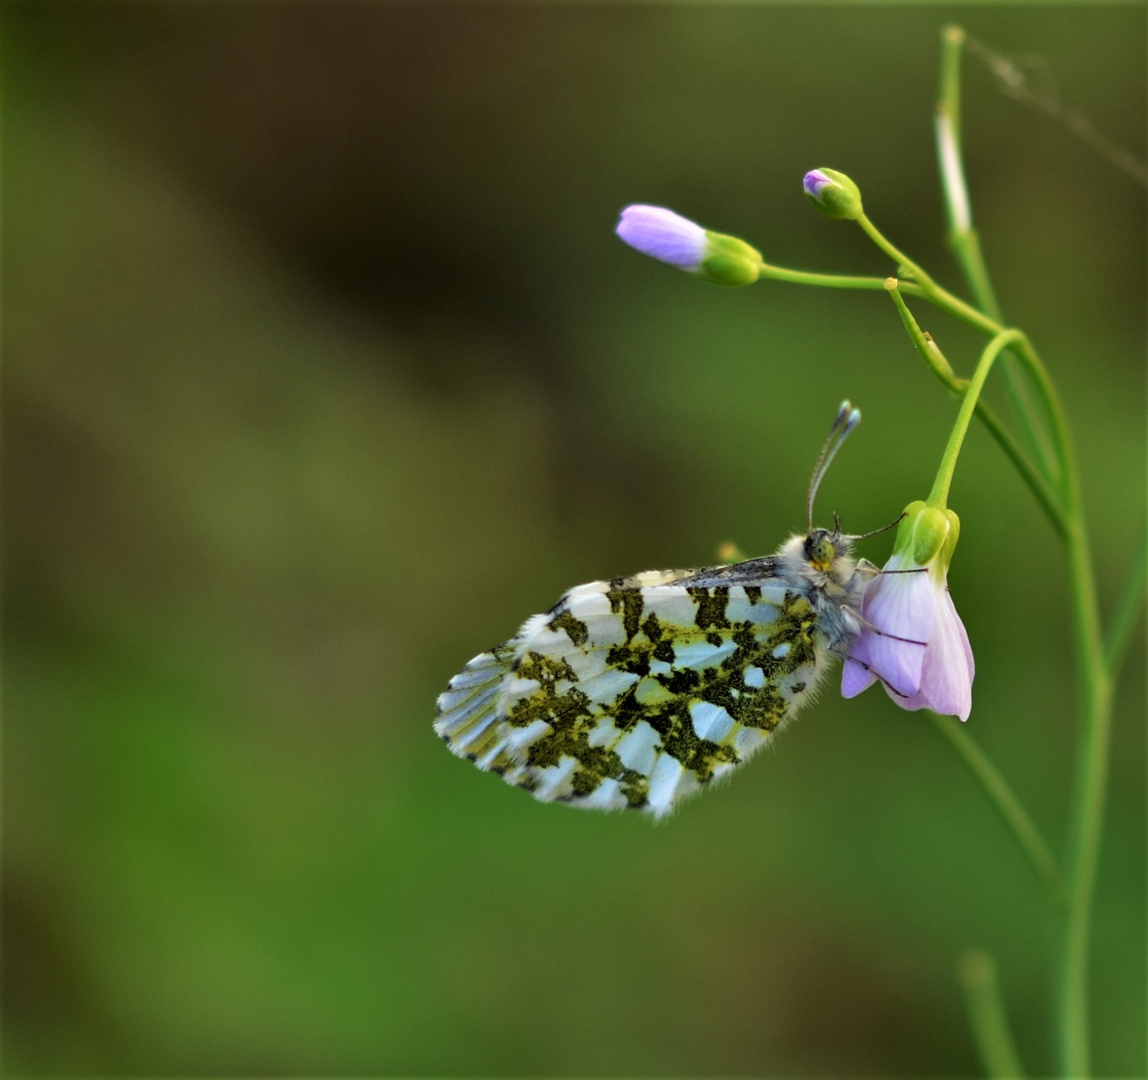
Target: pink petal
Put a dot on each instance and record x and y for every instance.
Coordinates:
(968, 649)
(947, 676)
(662, 234)
(855, 678)
(900, 608)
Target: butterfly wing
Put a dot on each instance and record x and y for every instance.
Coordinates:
(637, 691)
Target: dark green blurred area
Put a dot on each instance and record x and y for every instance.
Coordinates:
(325, 369)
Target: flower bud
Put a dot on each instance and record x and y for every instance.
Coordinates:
(833, 193)
(664, 235)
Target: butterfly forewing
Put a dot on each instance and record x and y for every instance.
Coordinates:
(636, 691)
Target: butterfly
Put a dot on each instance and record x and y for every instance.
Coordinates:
(637, 691)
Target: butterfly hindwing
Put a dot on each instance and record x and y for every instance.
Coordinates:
(636, 691)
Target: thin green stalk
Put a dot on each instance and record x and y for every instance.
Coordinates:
(978, 975)
(1056, 417)
(933, 293)
(831, 281)
(929, 290)
(1095, 707)
(1095, 697)
(1090, 788)
(1007, 804)
(932, 355)
(940, 494)
(963, 238)
(924, 286)
(1094, 691)
(911, 268)
(1126, 614)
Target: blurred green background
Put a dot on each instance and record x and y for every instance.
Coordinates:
(325, 369)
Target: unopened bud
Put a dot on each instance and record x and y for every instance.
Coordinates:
(833, 193)
(673, 239)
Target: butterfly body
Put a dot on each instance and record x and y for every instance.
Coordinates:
(633, 692)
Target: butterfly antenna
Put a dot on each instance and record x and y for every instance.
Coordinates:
(884, 528)
(847, 419)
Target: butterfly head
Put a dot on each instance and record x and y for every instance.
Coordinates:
(822, 549)
(822, 557)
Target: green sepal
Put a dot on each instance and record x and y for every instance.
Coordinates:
(928, 536)
(950, 540)
(903, 544)
(729, 261)
(930, 531)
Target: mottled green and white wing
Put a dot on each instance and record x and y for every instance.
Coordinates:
(637, 691)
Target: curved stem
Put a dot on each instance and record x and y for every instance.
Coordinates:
(1095, 706)
(940, 494)
(1090, 787)
(924, 286)
(963, 238)
(978, 975)
(1094, 689)
(896, 254)
(1048, 499)
(1007, 804)
(1054, 411)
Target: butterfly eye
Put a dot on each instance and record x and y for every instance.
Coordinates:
(822, 553)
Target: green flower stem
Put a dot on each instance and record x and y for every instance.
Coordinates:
(1008, 805)
(1057, 420)
(925, 344)
(942, 298)
(911, 269)
(978, 975)
(924, 286)
(939, 496)
(963, 238)
(829, 281)
(1027, 355)
(932, 355)
(1090, 787)
(1095, 706)
(1127, 613)
(1086, 821)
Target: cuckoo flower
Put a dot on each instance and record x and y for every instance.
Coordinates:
(913, 639)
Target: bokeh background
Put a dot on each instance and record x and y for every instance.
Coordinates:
(325, 369)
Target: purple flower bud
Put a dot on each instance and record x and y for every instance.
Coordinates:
(833, 193)
(664, 235)
(813, 183)
(913, 641)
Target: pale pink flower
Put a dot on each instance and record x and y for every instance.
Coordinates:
(913, 641)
